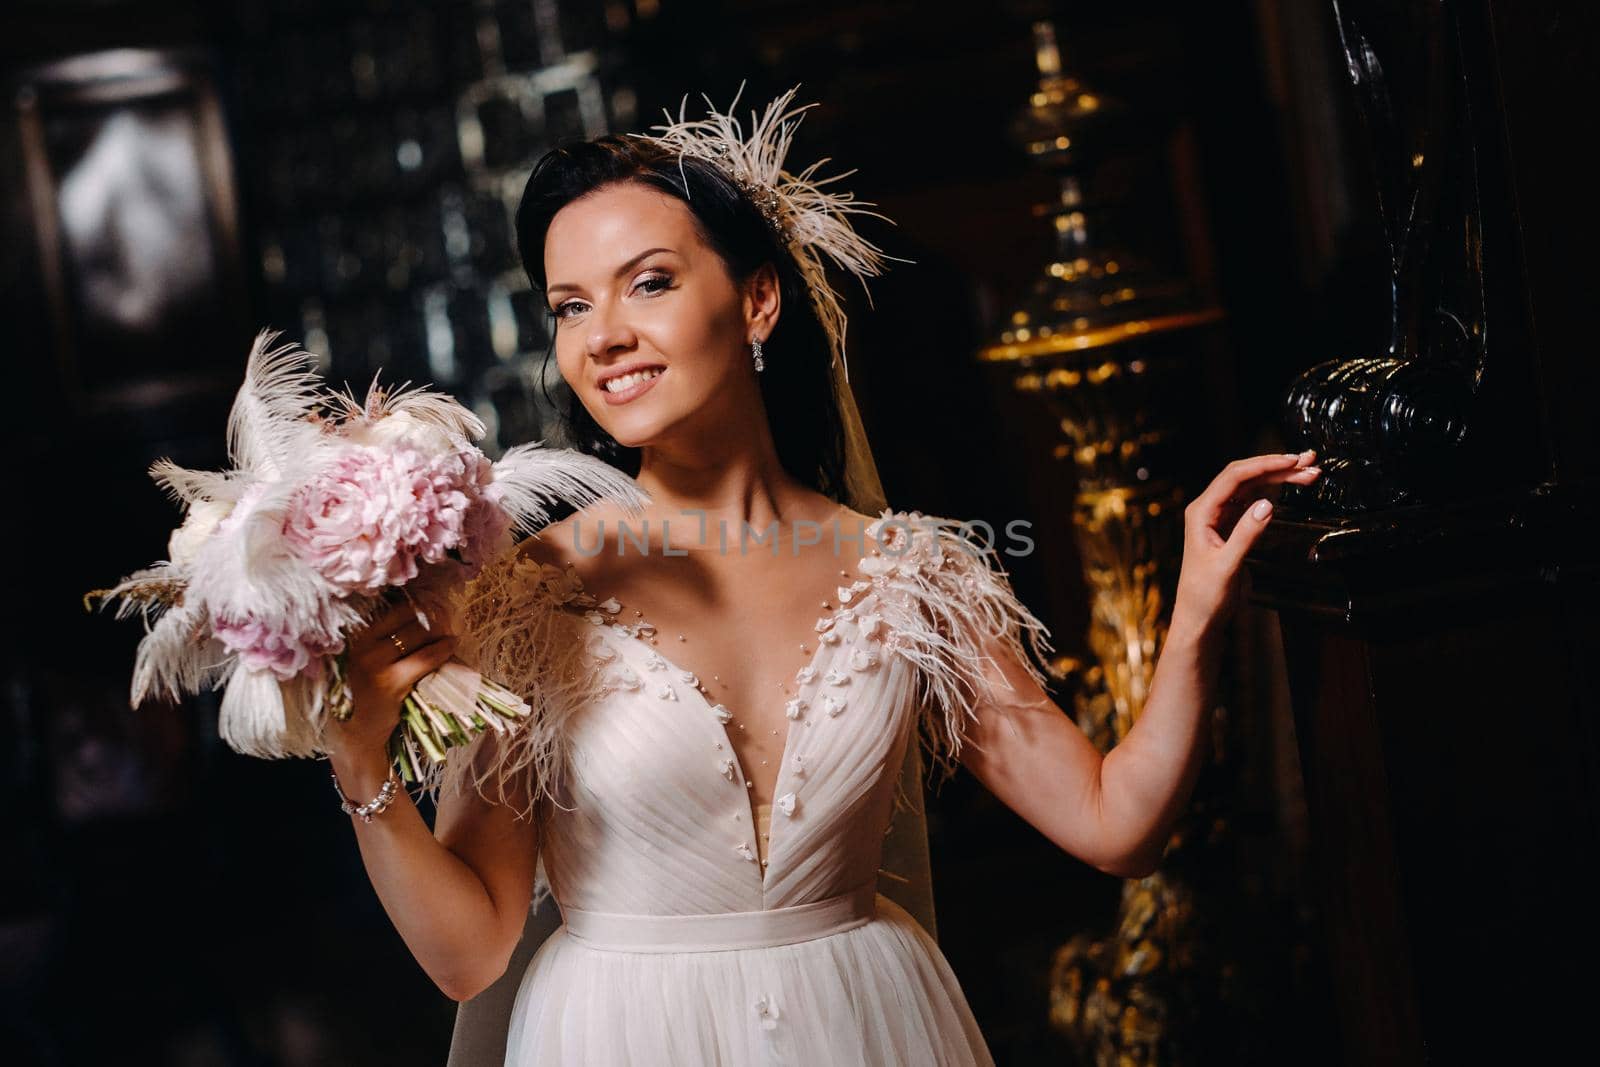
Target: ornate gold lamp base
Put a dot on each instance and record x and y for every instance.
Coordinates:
(1173, 980)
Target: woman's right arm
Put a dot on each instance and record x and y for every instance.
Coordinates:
(458, 895)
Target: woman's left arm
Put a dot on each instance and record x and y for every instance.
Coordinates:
(1115, 812)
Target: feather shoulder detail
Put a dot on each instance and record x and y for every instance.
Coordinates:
(949, 610)
(514, 629)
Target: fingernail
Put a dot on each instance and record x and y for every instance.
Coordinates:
(1262, 509)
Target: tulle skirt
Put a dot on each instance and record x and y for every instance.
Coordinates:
(875, 995)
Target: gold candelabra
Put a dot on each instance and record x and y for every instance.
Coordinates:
(1102, 341)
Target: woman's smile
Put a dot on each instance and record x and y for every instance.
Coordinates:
(623, 388)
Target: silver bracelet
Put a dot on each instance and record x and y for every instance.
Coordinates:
(375, 806)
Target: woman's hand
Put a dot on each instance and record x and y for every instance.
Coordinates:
(1221, 524)
(380, 675)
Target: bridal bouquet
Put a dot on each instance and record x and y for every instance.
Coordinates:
(334, 510)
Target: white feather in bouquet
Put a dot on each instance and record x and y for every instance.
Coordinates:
(333, 509)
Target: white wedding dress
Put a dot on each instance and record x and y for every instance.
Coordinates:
(680, 943)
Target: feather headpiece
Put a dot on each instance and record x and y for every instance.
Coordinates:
(811, 221)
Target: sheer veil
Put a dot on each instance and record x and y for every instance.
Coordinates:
(905, 876)
(816, 224)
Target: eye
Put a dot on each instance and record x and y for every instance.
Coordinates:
(660, 280)
(652, 284)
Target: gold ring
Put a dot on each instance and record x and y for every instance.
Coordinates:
(401, 645)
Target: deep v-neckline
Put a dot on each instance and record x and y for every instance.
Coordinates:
(857, 583)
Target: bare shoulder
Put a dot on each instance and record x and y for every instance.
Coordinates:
(575, 538)
(853, 517)
(856, 524)
(546, 546)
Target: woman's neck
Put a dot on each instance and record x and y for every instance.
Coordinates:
(748, 488)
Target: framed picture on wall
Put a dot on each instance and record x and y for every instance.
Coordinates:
(130, 180)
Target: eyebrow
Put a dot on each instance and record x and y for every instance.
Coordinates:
(620, 271)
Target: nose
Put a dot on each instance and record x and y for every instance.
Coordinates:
(609, 331)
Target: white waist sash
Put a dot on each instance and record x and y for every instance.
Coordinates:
(721, 931)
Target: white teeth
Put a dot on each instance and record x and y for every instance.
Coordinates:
(628, 381)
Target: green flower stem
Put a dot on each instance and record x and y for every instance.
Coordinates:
(399, 756)
(501, 700)
(460, 731)
(500, 707)
(427, 732)
(420, 730)
(448, 727)
(409, 749)
(460, 734)
(433, 717)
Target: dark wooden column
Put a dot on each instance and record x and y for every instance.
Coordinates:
(1437, 595)
(1444, 708)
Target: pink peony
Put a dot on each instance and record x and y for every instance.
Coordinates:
(487, 522)
(366, 521)
(263, 646)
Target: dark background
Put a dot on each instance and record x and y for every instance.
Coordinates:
(166, 901)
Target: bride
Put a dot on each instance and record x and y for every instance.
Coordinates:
(726, 686)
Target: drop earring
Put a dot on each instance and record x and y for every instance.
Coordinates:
(755, 354)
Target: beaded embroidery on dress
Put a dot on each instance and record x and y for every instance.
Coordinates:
(679, 944)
